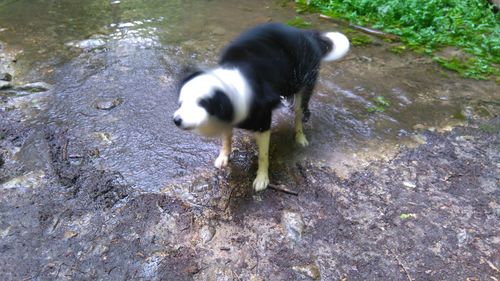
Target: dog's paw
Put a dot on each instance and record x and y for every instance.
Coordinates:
(261, 181)
(301, 139)
(221, 161)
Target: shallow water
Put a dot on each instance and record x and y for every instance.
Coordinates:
(132, 51)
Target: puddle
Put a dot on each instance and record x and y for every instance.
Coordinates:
(133, 51)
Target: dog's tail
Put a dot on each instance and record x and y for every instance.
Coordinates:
(339, 45)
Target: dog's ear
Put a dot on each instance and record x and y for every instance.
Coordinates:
(219, 105)
(188, 72)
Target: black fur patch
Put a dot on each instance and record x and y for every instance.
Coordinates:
(219, 105)
(277, 61)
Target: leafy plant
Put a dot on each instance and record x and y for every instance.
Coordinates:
(380, 105)
(428, 25)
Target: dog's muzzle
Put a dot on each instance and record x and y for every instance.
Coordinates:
(177, 121)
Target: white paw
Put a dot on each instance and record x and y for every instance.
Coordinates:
(221, 161)
(301, 139)
(261, 181)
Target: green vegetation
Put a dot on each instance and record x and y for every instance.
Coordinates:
(426, 26)
(380, 104)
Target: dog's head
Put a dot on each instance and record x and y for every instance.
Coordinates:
(204, 105)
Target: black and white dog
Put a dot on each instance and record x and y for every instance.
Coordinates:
(259, 67)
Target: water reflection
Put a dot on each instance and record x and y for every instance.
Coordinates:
(132, 50)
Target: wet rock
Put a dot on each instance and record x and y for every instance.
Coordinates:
(293, 224)
(409, 184)
(35, 87)
(28, 180)
(88, 44)
(310, 270)
(105, 137)
(207, 232)
(5, 85)
(70, 234)
(5, 77)
(107, 104)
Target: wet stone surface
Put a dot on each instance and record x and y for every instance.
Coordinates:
(108, 103)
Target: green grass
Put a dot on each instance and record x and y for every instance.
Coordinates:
(426, 26)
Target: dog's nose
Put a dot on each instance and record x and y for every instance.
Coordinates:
(177, 121)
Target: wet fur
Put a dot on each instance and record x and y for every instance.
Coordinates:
(255, 71)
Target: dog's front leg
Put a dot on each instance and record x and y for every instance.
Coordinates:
(223, 158)
(262, 180)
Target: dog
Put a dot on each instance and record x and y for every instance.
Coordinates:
(257, 69)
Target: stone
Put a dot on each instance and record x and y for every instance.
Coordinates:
(87, 44)
(293, 224)
(207, 232)
(5, 77)
(29, 180)
(35, 87)
(107, 104)
(309, 270)
(5, 85)
(463, 237)
(409, 184)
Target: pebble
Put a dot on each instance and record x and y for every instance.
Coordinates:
(5, 77)
(87, 44)
(419, 127)
(310, 270)
(463, 237)
(70, 234)
(207, 232)
(409, 184)
(107, 104)
(293, 224)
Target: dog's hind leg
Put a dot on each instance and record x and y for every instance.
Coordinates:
(223, 158)
(300, 138)
(262, 179)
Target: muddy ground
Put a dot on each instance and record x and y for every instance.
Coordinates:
(96, 183)
(429, 213)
